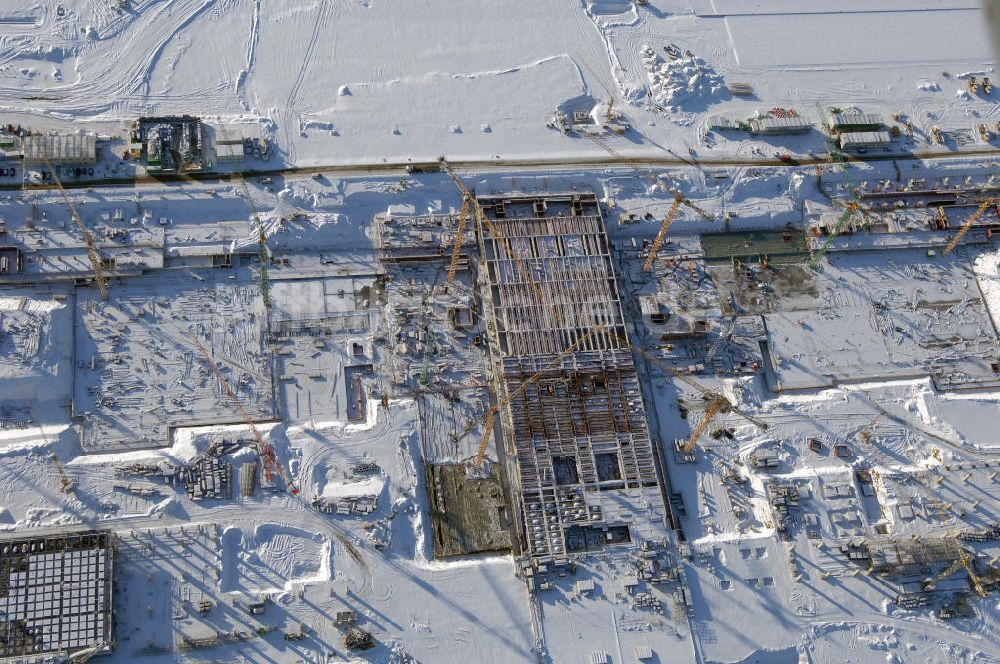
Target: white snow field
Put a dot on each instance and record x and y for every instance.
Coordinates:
(367, 81)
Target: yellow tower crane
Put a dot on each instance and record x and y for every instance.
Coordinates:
(490, 418)
(967, 226)
(654, 249)
(88, 239)
(717, 402)
(500, 237)
(456, 249)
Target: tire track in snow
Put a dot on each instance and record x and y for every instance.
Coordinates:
(127, 76)
(251, 55)
(293, 93)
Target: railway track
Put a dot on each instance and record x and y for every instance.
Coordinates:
(485, 165)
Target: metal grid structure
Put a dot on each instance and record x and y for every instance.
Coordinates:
(578, 429)
(55, 594)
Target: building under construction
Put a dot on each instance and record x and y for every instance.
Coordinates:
(576, 444)
(55, 594)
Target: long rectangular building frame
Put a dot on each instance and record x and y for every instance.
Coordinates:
(576, 442)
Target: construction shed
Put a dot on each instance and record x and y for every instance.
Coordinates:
(60, 148)
(839, 122)
(864, 140)
(771, 126)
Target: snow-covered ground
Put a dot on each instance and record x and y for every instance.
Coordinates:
(875, 373)
(366, 81)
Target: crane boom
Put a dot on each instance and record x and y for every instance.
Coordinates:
(729, 407)
(649, 175)
(852, 207)
(270, 462)
(967, 226)
(456, 250)
(490, 416)
(484, 441)
(727, 332)
(495, 232)
(662, 234)
(715, 407)
(88, 238)
(264, 255)
(977, 583)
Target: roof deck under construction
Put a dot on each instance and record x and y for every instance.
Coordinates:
(576, 438)
(55, 594)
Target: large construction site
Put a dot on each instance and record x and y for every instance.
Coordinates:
(687, 350)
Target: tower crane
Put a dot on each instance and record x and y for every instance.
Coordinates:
(962, 560)
(967, 226)
(654, 249)
(838, 228)
(717, 402)
(929, 583)
(88, 238)
(456, 250)
(490, 417)
(977, 583)
(727, 332)
(649, 175)
(495, 232)
(715, 406)
(263, 253)
(269, 461)
(66, 483)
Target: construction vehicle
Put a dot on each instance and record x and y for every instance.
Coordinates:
(654, 249)
(490, 418)
(651, 176)
(967, 226)
(717, 402)
(95, 258)
(269, 462)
